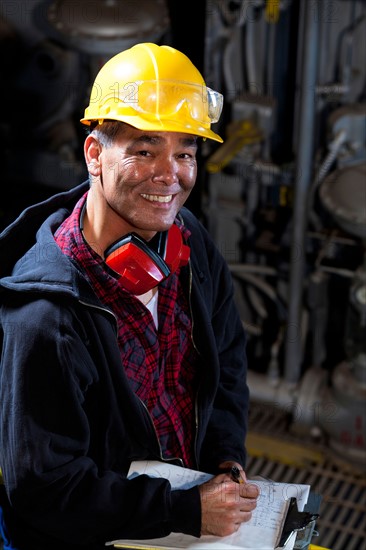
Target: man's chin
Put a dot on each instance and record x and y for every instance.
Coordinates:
(154, 228)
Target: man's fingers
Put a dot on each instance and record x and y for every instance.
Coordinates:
(249, 490)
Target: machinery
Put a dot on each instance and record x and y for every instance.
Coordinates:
(56, 48)
(286, 204)
(284, 197)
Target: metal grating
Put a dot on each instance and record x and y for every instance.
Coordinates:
(275, 454)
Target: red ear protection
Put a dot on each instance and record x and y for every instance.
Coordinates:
(143, 265)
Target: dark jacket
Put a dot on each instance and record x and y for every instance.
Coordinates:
(70, 424)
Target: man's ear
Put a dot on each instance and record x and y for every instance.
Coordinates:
(92, 150)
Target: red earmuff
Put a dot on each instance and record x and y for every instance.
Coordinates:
(142, 265)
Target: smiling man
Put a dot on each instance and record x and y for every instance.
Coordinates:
(120, 337)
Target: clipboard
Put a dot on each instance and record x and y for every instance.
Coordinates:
(296, 521)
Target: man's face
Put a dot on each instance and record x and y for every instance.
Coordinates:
(146, 177)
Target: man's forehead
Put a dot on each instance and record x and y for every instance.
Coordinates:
(157, 138)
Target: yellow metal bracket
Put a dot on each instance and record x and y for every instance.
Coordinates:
(272, 13)
(240, 133)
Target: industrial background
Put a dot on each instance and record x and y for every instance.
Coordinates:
(284, 198)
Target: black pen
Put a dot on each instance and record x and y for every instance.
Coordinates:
(235, 474)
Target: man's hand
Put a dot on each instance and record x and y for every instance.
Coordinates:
(226, 504)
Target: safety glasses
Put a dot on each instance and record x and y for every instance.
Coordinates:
(163, 98)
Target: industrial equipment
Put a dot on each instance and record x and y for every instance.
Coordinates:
(286, 203)
(284, 197)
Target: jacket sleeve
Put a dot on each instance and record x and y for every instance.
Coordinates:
(53, 481)
(221, 340)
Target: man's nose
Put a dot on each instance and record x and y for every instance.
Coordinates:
(166, 171)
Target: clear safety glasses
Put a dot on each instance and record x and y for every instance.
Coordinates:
(163, 98)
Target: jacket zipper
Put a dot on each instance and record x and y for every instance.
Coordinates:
(100, 308)
(157, 437)
(198, 352)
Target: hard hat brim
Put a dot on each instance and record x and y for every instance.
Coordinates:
(161, 126)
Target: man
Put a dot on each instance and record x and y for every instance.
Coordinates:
(120, 338)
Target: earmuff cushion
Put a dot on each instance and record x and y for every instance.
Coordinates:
(142, 265)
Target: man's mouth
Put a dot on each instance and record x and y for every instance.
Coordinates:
(157, 198)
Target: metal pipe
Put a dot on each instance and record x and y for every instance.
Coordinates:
(255, 84)
(309, 45)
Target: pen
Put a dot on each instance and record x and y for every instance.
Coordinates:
(235, 474)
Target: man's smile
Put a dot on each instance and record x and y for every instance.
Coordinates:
(157, 198)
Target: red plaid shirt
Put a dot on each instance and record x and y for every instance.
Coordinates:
(160, 363)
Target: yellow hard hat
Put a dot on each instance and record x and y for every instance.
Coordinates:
(154, 88)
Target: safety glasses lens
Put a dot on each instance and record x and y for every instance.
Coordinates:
(165, 98)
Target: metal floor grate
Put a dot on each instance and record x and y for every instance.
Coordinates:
(275, 454)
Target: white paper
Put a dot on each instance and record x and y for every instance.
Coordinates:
(261, 532)
(179, 478)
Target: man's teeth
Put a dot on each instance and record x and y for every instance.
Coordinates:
(157, 198)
